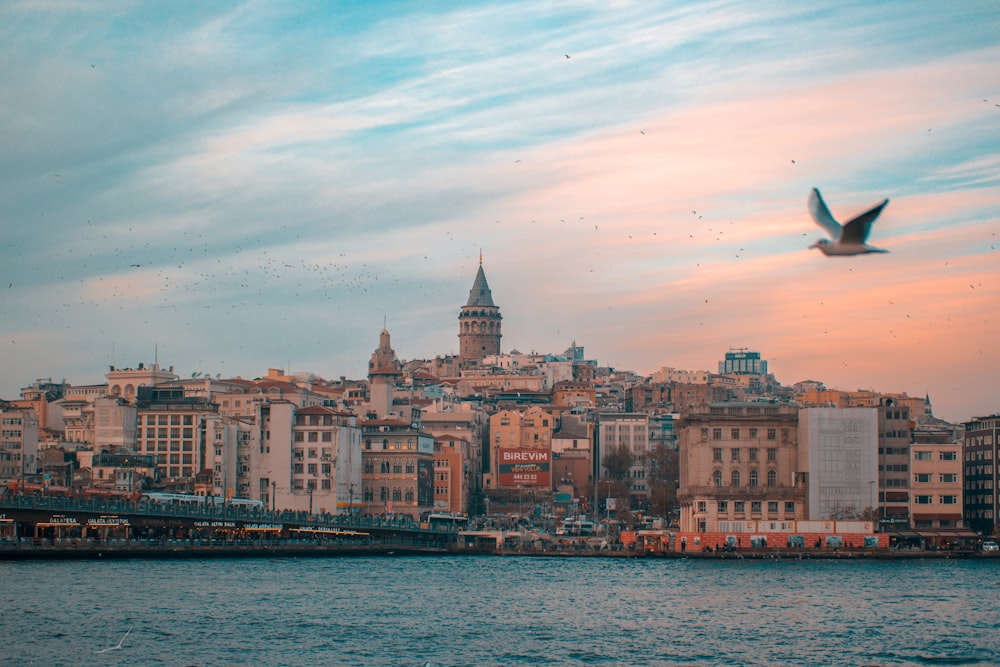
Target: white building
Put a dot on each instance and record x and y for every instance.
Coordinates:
(838, 450)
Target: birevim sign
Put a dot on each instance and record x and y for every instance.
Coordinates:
(525, 467)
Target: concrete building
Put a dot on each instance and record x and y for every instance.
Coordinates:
(451, 478)
(741, 361)
(398, 469)
(838, 451)
(631, 432)
(462, 425)
(739, 462)
(172, 428)
(894, 463)
(937, 486)
(981, 453)
(520, 449)
(18, 442)
(479, 322)
(125, 382)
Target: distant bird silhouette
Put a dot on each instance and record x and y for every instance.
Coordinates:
(849, 238)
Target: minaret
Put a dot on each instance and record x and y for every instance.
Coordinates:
(383, 371)
(479, 321)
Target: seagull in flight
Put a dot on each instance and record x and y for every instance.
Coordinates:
(118, 646)
(848, 239)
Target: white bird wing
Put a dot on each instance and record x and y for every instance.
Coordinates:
(857, 228)
(821, 214)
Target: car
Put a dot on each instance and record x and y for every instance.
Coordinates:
(990, 545)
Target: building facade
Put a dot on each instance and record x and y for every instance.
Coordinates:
(739, 462)
(838, 450)
(981, 445)
(398, 469)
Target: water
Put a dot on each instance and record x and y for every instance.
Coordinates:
(468, 610)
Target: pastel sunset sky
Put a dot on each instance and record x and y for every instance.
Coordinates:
(229, 187)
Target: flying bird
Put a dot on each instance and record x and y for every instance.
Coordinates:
(849, 238)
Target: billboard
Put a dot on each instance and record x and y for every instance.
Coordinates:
(525, 467)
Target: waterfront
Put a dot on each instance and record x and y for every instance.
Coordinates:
(482, 610)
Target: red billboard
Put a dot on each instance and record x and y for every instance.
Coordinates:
(525, 467)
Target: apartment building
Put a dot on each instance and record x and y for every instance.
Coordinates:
(981, 445)
(398, 469)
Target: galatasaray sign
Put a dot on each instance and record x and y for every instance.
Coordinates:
(525, 467)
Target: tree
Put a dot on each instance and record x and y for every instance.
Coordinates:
(618, 461)
(664, 477)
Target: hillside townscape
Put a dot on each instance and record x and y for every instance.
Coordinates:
(554, 441)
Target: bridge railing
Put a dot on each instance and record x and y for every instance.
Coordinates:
(221, 511)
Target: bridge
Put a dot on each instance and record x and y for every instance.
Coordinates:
(40, 525)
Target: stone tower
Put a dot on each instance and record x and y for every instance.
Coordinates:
(479, 321)
(384, 370)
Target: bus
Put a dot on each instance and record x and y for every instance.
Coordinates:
(191, 500)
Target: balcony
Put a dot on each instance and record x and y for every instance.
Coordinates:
(736, 493)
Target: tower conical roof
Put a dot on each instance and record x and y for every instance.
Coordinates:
(480, 294)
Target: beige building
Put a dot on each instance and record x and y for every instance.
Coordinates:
(172, 429)
(739, 462)
(398, 469)
(894, 436)
(125, 382)
(514, 436)
(937, 486)
(18, 442)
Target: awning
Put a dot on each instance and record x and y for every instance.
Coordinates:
(952, 534)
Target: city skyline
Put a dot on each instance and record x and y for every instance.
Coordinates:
(242, 186)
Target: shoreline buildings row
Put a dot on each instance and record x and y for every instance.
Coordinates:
(533, 437)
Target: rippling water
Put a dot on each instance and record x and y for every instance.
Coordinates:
(467, 610)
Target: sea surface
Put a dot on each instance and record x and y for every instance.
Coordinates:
(483, 610)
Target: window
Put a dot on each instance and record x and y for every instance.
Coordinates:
(922, 456)
(701, 506)
(772, 434)
(735, 434)
(717, 454)
(723, 507)
(312, 468)
(739, 506)
(736, 453)
(772, 478)
(922, 478)
(948, 500)
(755, 507)
(948, 478)
(754, 455)
(772, 453)
(717, 478)
(923, 500)
(736, 478)
(949, 456)
(716, 434)
(772, 507)
(754, 478)
(790, 508)
(753, 434)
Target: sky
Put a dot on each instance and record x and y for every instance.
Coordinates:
(230, 187)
